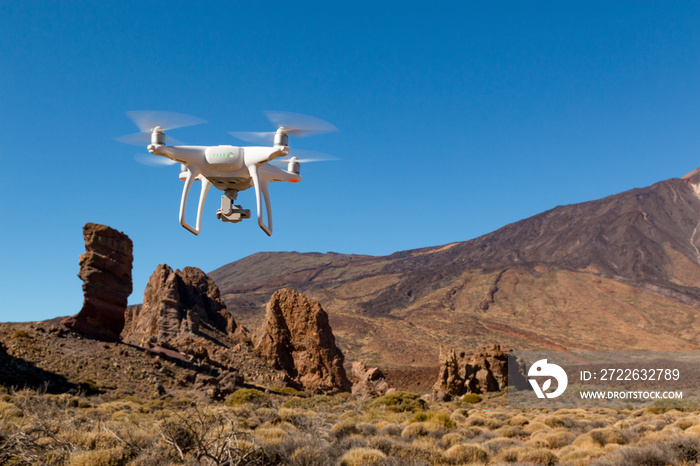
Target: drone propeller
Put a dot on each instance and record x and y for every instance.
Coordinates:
(147, 120)
(154, 160)
(308, 156)
(295, 124)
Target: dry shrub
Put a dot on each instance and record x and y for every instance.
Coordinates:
(109, 457)
(509, 431)
(538, 456)
(306, 456)
(496, 445)
(579, 456)
(518, 420)
(344, 428)
(535, 426)
(462, 453)
(362, 457)
(269, 435)
(685, 422)
(606, 435)
(508, 455)
(417, 429)
(393, 430)
(458, 417)
(560, 421)
(367, 429)
(554, 439)
(451, 439)
(399, 402)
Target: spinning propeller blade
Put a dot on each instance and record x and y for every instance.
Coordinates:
(154, 160)
(146, 120)
(291, 123)
(255, 137)
(307, 156)
(299, 125)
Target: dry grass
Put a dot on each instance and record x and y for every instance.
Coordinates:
(259, 428)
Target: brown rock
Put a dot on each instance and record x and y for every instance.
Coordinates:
(370, 382)
(297, 338)
(105, 269)
(177, 304)
(485, 370)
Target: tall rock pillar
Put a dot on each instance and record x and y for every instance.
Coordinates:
(105, 269)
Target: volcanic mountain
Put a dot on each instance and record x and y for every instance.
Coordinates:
(622, 272)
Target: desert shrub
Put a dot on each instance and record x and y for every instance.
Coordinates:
(109, 457)
(392, 430)
(246, 395)
(508, 455)
(415, 429)
(289, 391)
(538, 456)
(509, 431)
(641, 455)
(461, 453)
(367, 429)
(441, 419)
(559, 421)
(362, 457)
(535, 426)
(344, 428)
(495, 445)
(399, 402)
(315, 402)
(451, 439)
(685, 448)
(518, 420)
(552, 439)
(90, 387)
(305, 455)
(471, 398)
(606, 435)
(685, 422)
(21, 335)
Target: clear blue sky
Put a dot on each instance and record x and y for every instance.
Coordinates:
(455, 119)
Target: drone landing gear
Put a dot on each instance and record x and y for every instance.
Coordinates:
(230, 212)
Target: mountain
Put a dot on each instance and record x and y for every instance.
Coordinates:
(622, 272)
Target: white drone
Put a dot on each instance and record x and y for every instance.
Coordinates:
(229, 168)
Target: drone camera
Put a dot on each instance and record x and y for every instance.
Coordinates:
(230, 212)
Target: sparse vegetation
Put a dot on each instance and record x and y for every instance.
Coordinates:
(257, 428)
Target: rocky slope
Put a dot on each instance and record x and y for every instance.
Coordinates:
(616, 273)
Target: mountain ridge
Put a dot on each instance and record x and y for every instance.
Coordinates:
(630, 259)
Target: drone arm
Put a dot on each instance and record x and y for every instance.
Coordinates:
(202, 197)
(261, 185)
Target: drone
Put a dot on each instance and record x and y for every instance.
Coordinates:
(231, 169)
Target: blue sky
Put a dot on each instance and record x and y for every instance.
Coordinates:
(455, 118)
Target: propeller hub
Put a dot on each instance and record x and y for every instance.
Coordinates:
(281, 138)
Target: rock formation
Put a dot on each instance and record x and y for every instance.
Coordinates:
(369, 382)
(105, 269)
(485, 370)
(297, 338)
(177, 304)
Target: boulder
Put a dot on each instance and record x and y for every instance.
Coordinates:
(297, 339)
(485, 370)
(177, 304)
(369, 383)
(105, 269)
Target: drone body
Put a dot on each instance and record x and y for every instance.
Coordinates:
(229, 168)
